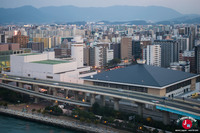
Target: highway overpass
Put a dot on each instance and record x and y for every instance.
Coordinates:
(187, 107)
(45, 96)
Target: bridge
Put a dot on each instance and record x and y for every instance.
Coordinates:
(45, 96)
(171, 105)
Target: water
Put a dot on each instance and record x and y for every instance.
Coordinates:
(14, 125)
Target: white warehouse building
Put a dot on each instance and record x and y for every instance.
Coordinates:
(46, 66)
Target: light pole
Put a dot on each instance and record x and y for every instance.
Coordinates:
(27, 108)
(76, 116)
(106, 125)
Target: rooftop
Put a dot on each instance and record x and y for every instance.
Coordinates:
(51, 62)
(28, 54)
(142, 75)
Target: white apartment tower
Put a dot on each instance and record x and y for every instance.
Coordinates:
(77, 50)
(153, 55)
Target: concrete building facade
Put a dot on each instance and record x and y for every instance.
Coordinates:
(153, 55)
(126, 48)
(46, 66)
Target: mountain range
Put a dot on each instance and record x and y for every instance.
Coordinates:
(65, 14)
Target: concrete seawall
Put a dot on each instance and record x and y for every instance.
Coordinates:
(55, 122)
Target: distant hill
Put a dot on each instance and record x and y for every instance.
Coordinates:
(189, 19)
(29, 14)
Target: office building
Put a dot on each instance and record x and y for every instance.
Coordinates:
(126, 48)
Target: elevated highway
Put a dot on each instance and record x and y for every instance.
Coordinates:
(176, 105)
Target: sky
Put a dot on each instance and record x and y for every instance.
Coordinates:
(182, 6)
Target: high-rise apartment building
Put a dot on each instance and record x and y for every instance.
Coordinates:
(98, 55)
(86, 56)
(169, 51)
(136, 50)
(36, 46)
(153, 56)
(126, 48)
(46, 41)
(22, 40)
(117, 51)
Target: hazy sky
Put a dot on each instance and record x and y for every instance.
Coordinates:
(183, 6)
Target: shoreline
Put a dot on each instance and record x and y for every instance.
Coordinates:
(52, 121)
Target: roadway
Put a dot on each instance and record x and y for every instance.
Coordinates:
(180, 105)
(45, 96)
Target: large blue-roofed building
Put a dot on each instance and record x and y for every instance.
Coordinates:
(146, 78)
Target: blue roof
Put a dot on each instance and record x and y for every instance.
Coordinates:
(141, 74)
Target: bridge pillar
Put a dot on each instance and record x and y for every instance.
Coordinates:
(116, 103)
(54, 91)
(55, 103)
(49, 91)
(66, 93)
(84, 96)
(102, 100)
(76, 95)
(140, 109)
(166, 118)
(20, 85)
(92, 98)
(36, 89)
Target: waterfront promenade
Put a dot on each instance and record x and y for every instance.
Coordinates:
(71, 124)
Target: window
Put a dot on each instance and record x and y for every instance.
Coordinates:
(49, 77)
(178, 86)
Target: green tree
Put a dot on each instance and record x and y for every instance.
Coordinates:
(44, 112)
(155, 131)
(5, 105)
(114, 61)
(39, 111)
(82, 119)
(95, 108)
(33, 110)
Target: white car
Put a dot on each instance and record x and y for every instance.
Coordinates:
(18, 78)
(154, 101)
(55, 83)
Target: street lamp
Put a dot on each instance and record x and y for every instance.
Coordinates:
(83, 100)
(76, 116)
(27, 108)
(50, 113)
(106, 124)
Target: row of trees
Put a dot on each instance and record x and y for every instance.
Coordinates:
(12, 97)
(5, 104)
(55, 110)
(118, 119)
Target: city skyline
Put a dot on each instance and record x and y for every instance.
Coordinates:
(183, 6)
